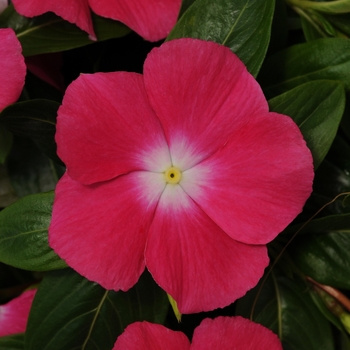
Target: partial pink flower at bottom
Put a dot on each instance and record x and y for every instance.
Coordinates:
(14, 314)
(222, 333)
(182, 170)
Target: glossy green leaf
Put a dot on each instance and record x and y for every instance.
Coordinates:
(50, 33)
(324, 256)
(70, 312)
(327, 58)
(243, 25)
(24, 237)
(185, 5)
(330, 223)
(35, 119)
(5, 143)
(285, 306)
(30, 171)
(317, 115)
(12, 342)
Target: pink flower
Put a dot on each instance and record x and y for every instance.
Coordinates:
(152, 19)
(14, 314)
(12, 68)
(224, 333)
(182, 170)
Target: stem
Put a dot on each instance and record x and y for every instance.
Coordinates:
(340, 297)
(332, 7)
(304, 14)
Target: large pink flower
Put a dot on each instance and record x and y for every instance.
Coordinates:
(181, 169)
(224, 333)
(152, 19)
(14, 314)
(12, 68)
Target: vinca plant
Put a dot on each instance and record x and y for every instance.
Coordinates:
(174, 175)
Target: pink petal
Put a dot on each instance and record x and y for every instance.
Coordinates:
(194, 261)
(14, 314)
(202, 93)
(258, 183)
(148, 336)
(100, 230)
(73, 11)
(152, 19)
(12, 68)
(227, 333)
(105, 127)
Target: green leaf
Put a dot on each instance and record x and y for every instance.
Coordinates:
(24, 237)
(243, 25)
(324, 256)
(327, 58)
(185, 5)
(12, 342)
(35, 119)
(30, 171)
(5, 143)
(286, 307)
(50, 33)
(330, 223)
(317, 115)
(70, 312)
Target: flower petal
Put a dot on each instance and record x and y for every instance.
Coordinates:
(14, 314)
(105, 127)
(152, 19)
(73, 11)
(12, 68)
(202, 93)
(149, 336)
(100, 230)
(194, 261)
(258, 183)
(226, 333)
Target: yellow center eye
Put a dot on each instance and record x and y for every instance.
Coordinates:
(172, 175)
